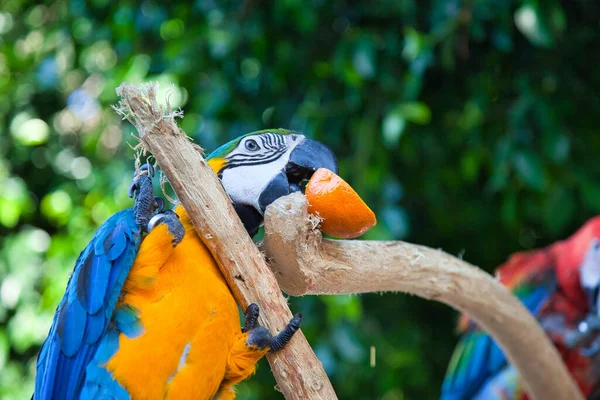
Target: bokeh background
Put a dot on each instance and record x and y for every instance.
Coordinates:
(470, 126)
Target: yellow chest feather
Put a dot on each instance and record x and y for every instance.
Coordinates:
(190, 321)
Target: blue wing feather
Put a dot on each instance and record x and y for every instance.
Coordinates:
(127, 319)
(99, 384)
(117, 244)
(95, 327)
(71, 327)
(108, 346)
(85, 310)
(93, 296)
(477, 358)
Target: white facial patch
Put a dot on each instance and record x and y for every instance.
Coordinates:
(589, 271)
(245, 183)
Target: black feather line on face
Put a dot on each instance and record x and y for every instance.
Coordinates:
(266, 140)
(272, 150)
(268, 156)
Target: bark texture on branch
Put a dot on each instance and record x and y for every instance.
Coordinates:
(305, 263)
(298, 372)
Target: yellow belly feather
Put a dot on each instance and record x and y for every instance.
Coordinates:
(183, 301)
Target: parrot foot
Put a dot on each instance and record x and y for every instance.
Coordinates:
(586, 337)
(592, 349)
(171, 219)
(284, 337)
(260, 337)
(251, 320)
(146, 171)
(145, 202)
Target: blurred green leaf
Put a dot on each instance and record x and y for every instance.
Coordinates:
(529, 21)
(4, 349)
(590, 191)
(395, 121)
(57, 206)
(557, 148)
(416, 112)
(559, 208)
(393, 126)
(364, 59)
(530, 169)
(414, 44)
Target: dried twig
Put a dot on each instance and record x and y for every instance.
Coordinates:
(298, 372)
(305, 263)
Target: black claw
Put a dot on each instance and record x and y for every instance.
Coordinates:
(279, 341)
(159, 204)
(251, 314)
(592, 349)
(136, 176)
(132, 189)
(588, 329)
(171, 219)
(147, 167)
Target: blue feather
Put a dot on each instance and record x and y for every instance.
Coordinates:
(479, 351)
(49, 355)
(102, 386)
(125, 259)
(114, 277)
(108, 346)
(97, 268)
(118, 244)
(496, 357)
(71, 326)
(468, 370)
(82, 318)
(94, 328)
(128, 321)
(99, 383)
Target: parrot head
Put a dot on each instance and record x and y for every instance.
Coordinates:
(258, 168)
(589, 275)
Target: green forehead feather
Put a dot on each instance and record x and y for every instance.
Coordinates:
(228, 147)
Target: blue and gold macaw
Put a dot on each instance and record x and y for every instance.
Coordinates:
(152, 317)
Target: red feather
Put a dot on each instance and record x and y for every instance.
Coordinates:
(567, 305)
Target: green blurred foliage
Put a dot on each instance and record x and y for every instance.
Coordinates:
(465, 124)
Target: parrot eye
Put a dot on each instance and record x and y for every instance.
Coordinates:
(252, 145)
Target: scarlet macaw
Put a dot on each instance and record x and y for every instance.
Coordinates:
(559, 285)
(175, 330)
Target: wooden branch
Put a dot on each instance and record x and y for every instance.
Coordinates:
(305, 263)
(298, 372)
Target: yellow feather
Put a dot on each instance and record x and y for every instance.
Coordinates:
(183, 301)
(216, 164)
